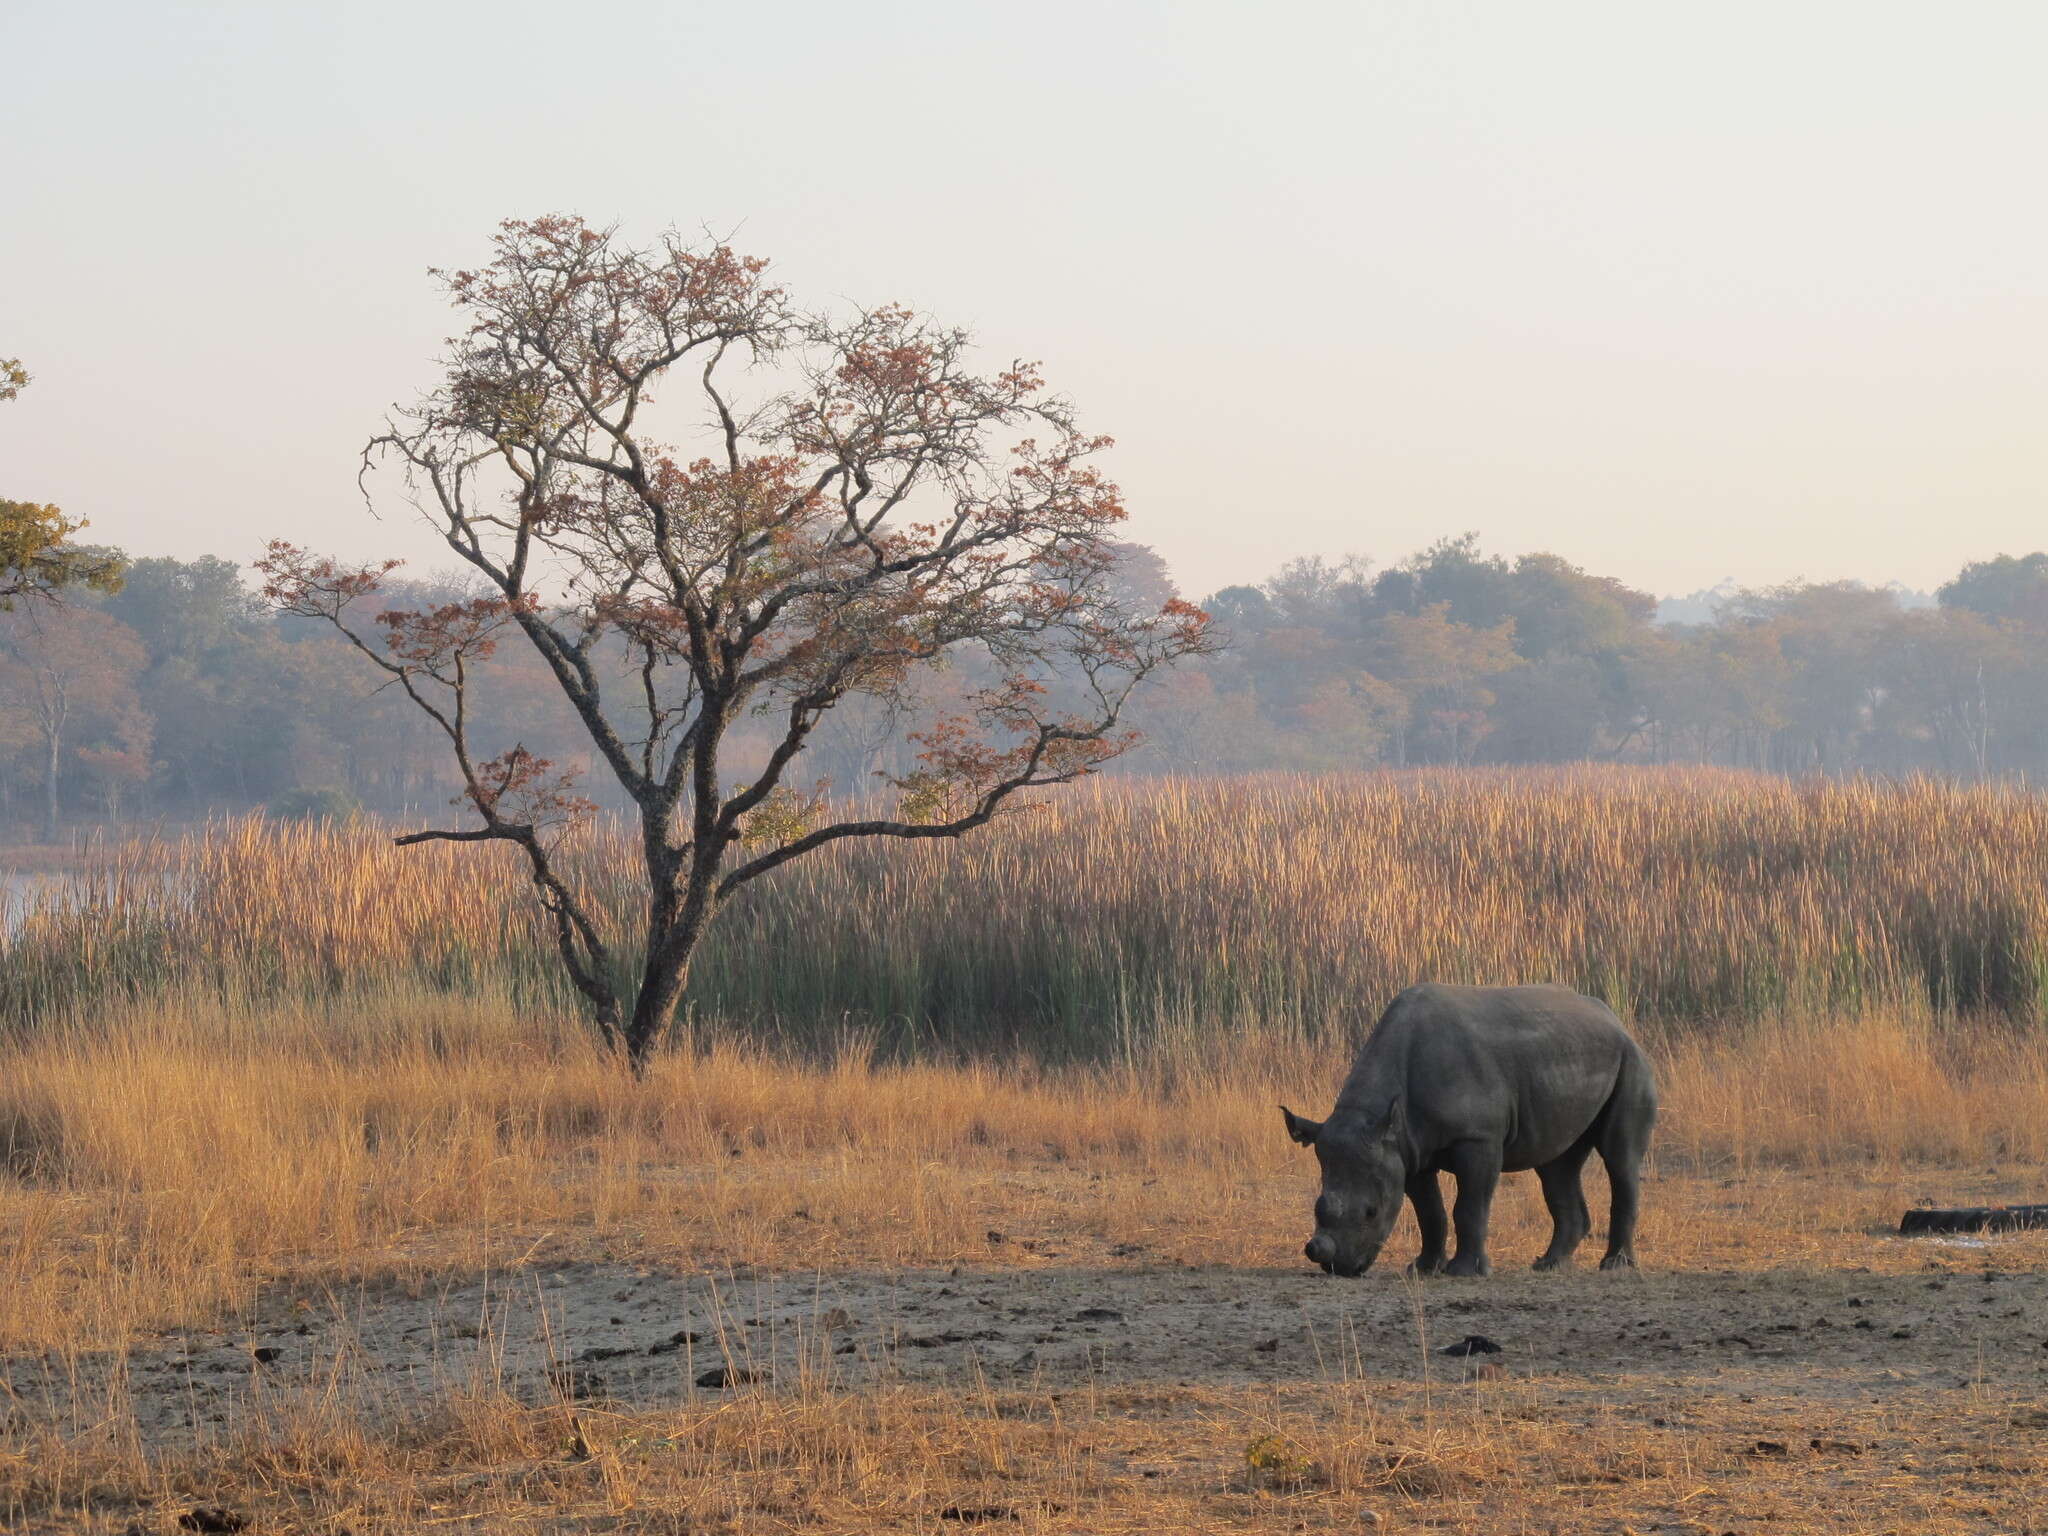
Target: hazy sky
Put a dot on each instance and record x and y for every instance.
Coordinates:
(1679, 291)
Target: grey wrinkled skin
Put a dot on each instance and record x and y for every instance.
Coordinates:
(1477, 1082)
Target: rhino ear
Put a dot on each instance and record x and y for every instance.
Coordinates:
(1303, 1131)
(1397, 1123)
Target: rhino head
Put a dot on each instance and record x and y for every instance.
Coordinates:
(1364, 1178)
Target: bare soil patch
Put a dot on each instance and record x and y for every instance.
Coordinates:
(641, 1337)
(1865, 1384)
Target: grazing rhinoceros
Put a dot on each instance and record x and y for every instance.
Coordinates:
(1478, 1081)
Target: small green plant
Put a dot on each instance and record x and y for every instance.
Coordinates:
(1274, 1461)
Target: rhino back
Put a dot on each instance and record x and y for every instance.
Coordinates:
(1530, 1068)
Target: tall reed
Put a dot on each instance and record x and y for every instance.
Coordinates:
(1130, 910)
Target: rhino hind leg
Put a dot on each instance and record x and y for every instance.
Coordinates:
(1624, 1140)
(1476, 1166)
(1427, 1197)
(1570, 1220)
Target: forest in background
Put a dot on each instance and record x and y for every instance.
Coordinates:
(183, 694)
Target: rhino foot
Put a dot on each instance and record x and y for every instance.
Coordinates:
(1426, 1264)
(1465, 1264)
(1622, 1260)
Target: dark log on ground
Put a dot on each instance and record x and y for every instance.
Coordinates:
(1974, 1218)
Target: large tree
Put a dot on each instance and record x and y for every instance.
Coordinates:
(833, 504)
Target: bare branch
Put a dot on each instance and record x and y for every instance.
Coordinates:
(835, 527)
(472, 835)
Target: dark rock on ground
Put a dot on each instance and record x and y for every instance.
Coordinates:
(1472, 1344)
(720, 1377)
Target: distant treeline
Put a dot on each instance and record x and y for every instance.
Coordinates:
(1455, 656)
(182, 693)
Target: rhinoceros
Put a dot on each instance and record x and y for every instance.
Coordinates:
(1476, 1082)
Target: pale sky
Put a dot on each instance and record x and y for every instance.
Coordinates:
(1678, 291)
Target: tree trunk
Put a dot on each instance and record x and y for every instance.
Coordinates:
(661, 987)
(50, 768)
(675, 922)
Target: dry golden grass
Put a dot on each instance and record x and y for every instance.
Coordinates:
(1506, 1456)
(280, 1059)
(167, 1159)
(173, 1160)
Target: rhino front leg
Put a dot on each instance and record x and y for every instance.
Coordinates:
(1428, 1199)
(1477, 1170)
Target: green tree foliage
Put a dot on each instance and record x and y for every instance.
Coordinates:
(35, 559)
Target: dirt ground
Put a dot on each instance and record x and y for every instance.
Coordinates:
(636, 1336)
(1862, 1383)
